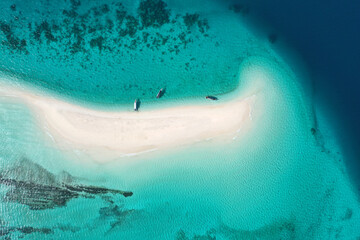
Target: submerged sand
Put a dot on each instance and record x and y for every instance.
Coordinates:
(128, 133)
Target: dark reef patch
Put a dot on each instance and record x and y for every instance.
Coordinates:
(30, 184)
(78, 34)
(318, 135)
(13, 7)
(277, 230)
(28, 230)
(313, 131)
(97, 42)
(75, 3)
(153, 13)
(348, 214)
(239, 8)
(120, 15)
(36, 196)
(203, 26)
(11, 41)
(5, 28)
(104, 8)
(272, 37)
(114, 214)
(190, 19)
(94, 38)
(7, 231)
(44, 28)
(15, 232)
(131, 25)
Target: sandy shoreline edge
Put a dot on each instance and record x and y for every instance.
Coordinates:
(74, 127)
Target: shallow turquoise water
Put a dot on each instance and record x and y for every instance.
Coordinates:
(281, 180)
(63, 52)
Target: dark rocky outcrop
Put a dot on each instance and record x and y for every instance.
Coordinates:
(37, 196)
(34, 186)
(6, 230)
(272, 37)
(153, 13)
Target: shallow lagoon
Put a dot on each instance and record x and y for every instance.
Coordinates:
(104, 53)
(285, 178)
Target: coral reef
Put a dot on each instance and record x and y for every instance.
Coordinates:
(31, 185)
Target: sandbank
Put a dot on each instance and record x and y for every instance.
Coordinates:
(128, 133)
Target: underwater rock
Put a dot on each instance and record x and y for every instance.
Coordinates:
(75, 3)
(276, 230)
(28, 230)
(348, 215)
(237, 8)
(13, 7)
(5, 230)
(12, 42)
(68, 228)
(104, 8)
(45, 28)
(97, 42)
(115, 215)
(203, 25)
(131, 25)
(194, 19)
(313, 131)
(272, 38)
(190, 19)
(28, 171)
(153, 13)
(36, 196)
(95, 190)
(34, 186)
(181, 235)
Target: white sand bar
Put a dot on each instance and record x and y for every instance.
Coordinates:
(127, 133)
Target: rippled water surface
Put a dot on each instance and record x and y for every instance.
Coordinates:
(283, 179)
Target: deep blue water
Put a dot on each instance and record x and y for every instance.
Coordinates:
(326, 35)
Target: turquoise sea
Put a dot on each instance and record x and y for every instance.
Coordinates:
(284, 179)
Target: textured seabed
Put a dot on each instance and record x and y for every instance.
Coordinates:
(285, 179)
